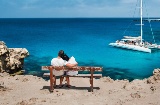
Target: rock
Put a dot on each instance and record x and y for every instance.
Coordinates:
(135, 95)
(155, 78)
(156, 71)
(107, 79)
(153, 88)
(3, 48)
(12, 59)
(23, 102)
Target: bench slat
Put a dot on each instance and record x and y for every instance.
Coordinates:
(79, 75)
(78, 68)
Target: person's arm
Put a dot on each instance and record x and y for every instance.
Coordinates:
(70, 65)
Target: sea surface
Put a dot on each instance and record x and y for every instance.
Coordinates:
(86, 39)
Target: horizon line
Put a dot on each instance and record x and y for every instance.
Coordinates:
(73, 17)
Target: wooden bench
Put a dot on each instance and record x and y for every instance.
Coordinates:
(91, 75)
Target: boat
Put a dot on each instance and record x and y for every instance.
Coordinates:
(136, 43)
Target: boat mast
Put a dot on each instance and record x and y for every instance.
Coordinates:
(141, 20)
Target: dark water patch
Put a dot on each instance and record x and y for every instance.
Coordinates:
(120, 74)
(33, 65)
(148, 59)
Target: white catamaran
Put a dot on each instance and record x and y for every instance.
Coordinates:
(136, 43)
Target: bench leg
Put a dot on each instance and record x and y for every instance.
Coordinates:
(91, 80)
(52, 80)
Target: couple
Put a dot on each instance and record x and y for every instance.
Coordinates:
(62, 60)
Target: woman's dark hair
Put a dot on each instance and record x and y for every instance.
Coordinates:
(63, 55)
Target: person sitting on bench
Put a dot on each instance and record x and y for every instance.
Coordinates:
(58, 61)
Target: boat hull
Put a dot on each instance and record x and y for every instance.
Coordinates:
(130, 47)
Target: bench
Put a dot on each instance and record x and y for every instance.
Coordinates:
(91, 75)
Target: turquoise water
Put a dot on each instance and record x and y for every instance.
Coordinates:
(86, 39)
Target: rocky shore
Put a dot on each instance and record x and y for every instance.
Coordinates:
(12, 59)
(32, 90)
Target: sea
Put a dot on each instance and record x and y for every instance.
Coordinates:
(87, 39)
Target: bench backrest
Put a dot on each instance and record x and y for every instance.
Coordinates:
(77, 68)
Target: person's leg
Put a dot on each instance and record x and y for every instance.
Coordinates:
(61, 80)
(54, 80)
(65, 73)
(68, 81)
